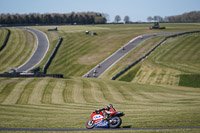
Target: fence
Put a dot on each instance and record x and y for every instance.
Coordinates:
(46, 66)
(137, 61)
(30, 75)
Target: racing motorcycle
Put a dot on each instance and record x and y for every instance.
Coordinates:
(98, 120)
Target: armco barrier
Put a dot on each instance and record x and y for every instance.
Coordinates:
(5, 41)
(137, 61)
(30, 75)
(46, 66)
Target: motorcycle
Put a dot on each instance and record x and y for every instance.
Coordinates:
(112, 121)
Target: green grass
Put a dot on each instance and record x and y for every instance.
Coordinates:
(179, 55)
(134, 55)
(3, 33)
(79, 53)
(67, 103)
(116, 131)
(131, 74)
(19, 49)
(190, 80)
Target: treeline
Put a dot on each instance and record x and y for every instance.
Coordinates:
(53, 18)
(193, 16)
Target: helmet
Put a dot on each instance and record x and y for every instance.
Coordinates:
(110, 106)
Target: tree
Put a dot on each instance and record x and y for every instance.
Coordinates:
(158, 18)
(149, 18)
(117, 18)
(126, 19)
(106, 16)
(98, 20)
(55, 18)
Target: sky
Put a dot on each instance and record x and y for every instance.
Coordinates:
(137, 10)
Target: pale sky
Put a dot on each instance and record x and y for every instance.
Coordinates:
(137, 10)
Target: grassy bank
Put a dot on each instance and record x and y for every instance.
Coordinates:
(79, 53)
(3, 33)
(179, 55)
(151, 98)
(67, 103)
(19, 49)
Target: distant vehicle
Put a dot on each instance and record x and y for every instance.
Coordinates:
(53, 29)
(141, 37)
(95, 71)
(26, 73)
(157, 26)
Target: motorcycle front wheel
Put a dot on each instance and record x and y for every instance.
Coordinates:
(115, 122)
(90, 124)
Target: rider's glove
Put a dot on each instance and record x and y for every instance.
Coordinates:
(97, 111)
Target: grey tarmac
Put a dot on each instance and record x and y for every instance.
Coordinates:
(40, 52)
(115, 57)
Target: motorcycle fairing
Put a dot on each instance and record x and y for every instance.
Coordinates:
(101, 123)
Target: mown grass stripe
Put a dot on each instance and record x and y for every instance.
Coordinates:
(2, 84)
(97, 93)
(14, 95)
(78, 92)
(7, 90)
(47, 95)
(3, 34)
(38, 91)
(20, 46)
(104, 89)
(57, 94)
(117, 96)
(25, 95)
(127, 93)
(12, 46)
(29, 47)
(68, 91)
(87, 93)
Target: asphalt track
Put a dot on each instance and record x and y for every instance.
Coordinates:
(95, 129)
(111, 60)
(40, 52)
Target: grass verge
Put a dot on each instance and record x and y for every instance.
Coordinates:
(190, 80)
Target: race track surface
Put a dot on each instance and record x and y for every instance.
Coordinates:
(40, 52)
(95, 129)
(111, 60)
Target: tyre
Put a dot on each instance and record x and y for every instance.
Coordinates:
(90, 124)
(115, 122)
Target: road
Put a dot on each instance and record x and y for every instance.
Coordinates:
(40, 52)
(114, 58)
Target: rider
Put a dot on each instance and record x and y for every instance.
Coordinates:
(106, 111)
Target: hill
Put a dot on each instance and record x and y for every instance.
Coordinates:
(67, 103)
(151, 98)
(176, 57)
(79, 53)
(19, 49)
(3, 33)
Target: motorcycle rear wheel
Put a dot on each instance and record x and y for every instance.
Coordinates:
(90, 124)
(115, 122)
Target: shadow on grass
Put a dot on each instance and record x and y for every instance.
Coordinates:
(126, 126)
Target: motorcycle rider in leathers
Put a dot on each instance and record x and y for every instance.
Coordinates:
(106, 111)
